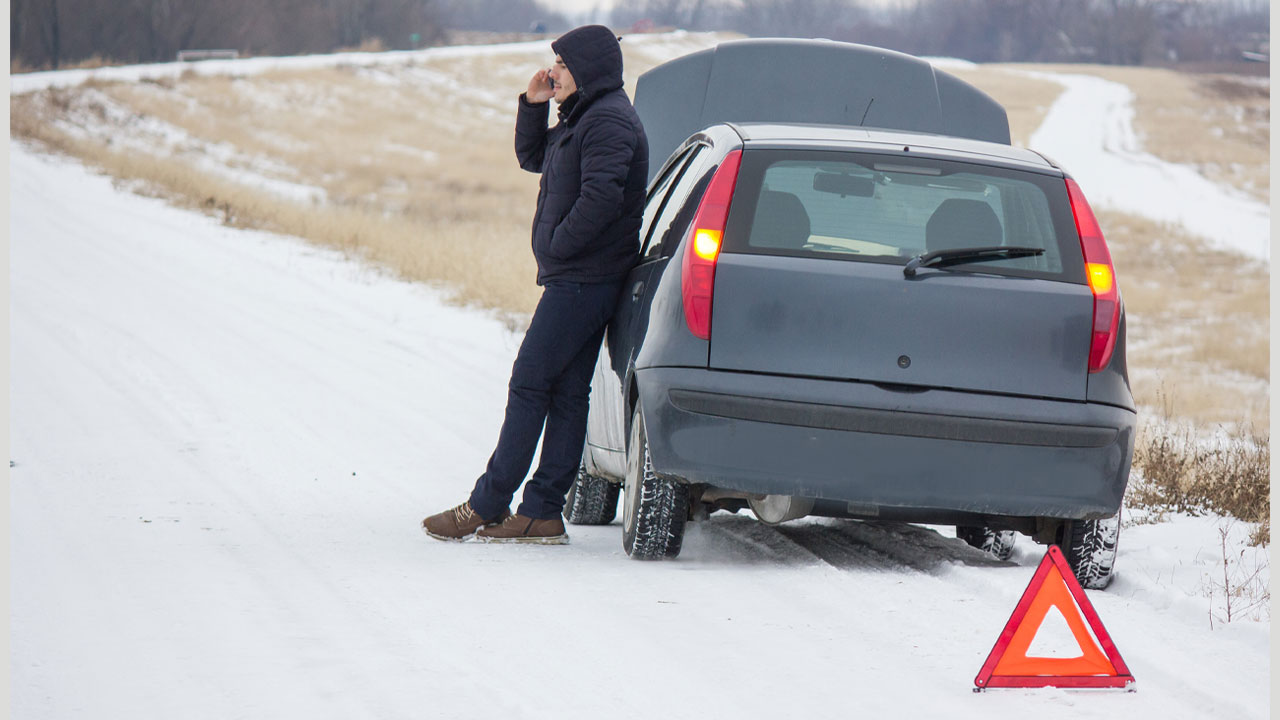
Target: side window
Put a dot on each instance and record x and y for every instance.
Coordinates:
(657, 194)
(672, 204)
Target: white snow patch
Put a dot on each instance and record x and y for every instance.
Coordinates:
(1089, 131)
(430, 156)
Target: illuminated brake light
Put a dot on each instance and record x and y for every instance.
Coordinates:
(698, 270)
(706, 243)
(1102, 280)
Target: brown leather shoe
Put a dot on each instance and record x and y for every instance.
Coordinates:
(458, 523)
(521, 529)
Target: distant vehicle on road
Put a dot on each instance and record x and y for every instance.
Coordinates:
(855, 299)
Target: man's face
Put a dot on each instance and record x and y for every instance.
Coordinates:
(564, 84)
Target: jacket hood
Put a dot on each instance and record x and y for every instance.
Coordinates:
(594, 58)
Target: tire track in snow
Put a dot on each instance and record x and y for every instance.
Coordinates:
(850, 545)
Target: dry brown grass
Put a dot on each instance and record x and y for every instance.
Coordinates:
(1198, 322)
(16, 65)
(415, 163)
(1185, 468)
(1175, 110)
(373, 44)
(1220, 124)
(450, 233)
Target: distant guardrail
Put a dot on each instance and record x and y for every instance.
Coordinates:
(193, 55)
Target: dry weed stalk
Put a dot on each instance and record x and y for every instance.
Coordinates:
(1245, 592)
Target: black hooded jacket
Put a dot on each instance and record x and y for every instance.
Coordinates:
(594, 166)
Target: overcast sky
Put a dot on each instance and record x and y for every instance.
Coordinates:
(578, 6)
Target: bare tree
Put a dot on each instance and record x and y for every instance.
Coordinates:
(17, 22)
(51, 32)
(667, 13)
(500, 15)
(795, 18)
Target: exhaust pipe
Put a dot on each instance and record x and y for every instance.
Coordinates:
(774, 509)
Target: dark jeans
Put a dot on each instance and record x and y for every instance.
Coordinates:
(550, 383)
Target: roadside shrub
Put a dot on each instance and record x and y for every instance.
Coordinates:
(1184, 469)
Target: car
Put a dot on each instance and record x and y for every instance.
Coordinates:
(856, 299)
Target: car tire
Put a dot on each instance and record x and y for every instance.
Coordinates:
(996, 543)
(591, 500)
(1090, 549)
(654, 508)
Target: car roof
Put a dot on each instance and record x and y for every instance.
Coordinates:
(844, 137)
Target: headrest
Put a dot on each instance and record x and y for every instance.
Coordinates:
(780, 222)
(962, 224)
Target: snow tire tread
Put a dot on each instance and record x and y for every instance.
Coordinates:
(657, 531)
(996, 543)
(591, 500)
(1090, 548)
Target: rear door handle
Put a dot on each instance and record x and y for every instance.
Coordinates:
(637, 290)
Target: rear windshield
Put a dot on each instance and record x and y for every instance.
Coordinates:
(890, 208)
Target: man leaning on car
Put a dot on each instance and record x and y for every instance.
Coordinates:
(594, 165)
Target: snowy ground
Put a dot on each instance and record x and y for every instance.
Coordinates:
(223, 442)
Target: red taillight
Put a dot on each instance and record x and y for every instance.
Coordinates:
(702, 246)
(1101, 274)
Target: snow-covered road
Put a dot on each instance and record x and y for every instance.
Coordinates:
(223, 442)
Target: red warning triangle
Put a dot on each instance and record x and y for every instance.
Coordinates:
(1054, 586)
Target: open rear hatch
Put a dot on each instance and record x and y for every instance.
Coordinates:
(808, 81)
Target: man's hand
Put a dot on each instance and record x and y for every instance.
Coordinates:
(539, 87)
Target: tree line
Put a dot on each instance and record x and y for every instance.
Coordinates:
(1130, 32)
(54, 33)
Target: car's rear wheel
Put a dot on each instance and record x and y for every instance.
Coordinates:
(591, 500)
(996, 543)
(1090, 549)
(654, 509)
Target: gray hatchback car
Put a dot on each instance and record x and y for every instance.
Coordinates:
(856, 299)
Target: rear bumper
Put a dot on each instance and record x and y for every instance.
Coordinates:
(928, 452)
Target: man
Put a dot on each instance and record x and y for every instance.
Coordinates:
(594, 165)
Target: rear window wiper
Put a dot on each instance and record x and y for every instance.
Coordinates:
(960, 256)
